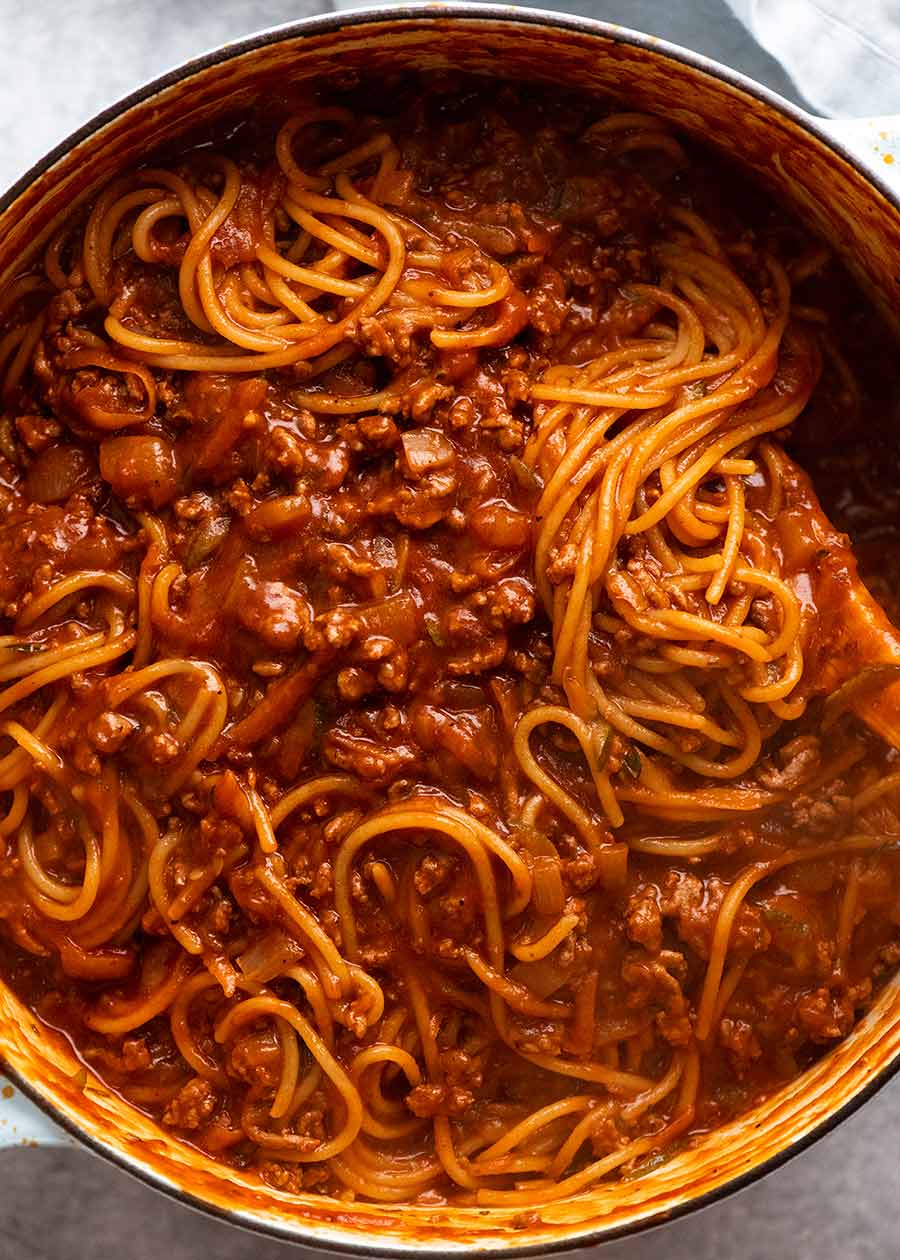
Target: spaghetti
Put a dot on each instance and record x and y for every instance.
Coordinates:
(446, 747)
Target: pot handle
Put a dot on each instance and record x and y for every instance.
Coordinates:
(873, 141)
(22, 1123)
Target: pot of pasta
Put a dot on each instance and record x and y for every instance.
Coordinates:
(449, 683)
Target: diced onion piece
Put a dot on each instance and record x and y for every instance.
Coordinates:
(270, 956)
(425, 451)
(142, 470)
(57, 473)
(543, 977)
(395, 618)
(547, 893)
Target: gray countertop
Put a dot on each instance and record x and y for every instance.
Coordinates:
(64, 60)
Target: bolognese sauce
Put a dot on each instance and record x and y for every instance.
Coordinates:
(448, 748)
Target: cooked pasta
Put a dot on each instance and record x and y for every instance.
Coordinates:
(448, 752)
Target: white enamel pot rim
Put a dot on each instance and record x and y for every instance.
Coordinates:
(871, 146)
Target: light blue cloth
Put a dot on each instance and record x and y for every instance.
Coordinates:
(844, 55)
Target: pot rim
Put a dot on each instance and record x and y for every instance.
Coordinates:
(469, 12)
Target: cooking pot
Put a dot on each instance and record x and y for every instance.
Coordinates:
(842, 178)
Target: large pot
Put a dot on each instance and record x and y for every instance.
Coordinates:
(843, 180)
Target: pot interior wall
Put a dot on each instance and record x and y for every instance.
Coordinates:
(834, 198)
(829, 193)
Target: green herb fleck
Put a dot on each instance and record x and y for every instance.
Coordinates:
(526, 477)
(631, 762)
(602, 733)
(433, 626)
(778, 918)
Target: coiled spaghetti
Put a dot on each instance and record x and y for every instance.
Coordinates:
(416, 636)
